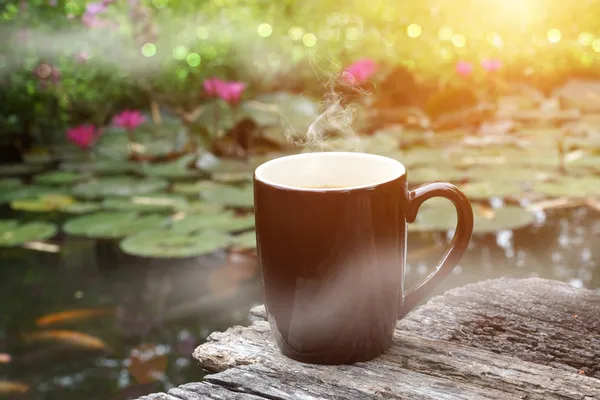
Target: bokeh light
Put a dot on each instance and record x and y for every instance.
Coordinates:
(459, 40)
(202, 32)
(180, 52)
(446, 33)
(264, 30)
(193, 59)
(352, 33)
(585, 38)
(554, 35)
(72, 8)
(149, 49)
(296, 33)
(309, 40)
(414, 31)
(596, 45)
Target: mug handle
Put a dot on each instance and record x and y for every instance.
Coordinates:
(458, 246)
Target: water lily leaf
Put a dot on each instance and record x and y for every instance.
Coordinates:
(81, 207)
(294, 112)
(100, 167)
(177, 169)
(44, 203)
(192, 189)
(488, 189)
(441, 173)
(111, 224)
(232, 196)
(199, 207)
(9, 184)
(149, 202)
(442, 217)
(59, 178)
(27, 192)
(224, 221)
(510, 173)
(230, 171)
(13, 233)
(118, 186)
(570, 187)
(245, 241)
(164, 243)
(19, 169)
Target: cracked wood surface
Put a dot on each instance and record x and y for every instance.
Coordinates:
(498, 339)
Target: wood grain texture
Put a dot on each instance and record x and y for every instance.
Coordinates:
(499, 339)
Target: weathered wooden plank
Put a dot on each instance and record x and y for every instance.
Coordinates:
(500, 339)
(200, 391)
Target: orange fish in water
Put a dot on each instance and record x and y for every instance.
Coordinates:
(70, 315)
(5, 358)
(7, 387)
(71, 337)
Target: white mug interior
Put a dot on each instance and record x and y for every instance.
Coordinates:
(329, 171)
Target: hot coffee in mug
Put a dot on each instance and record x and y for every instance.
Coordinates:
(331, 237)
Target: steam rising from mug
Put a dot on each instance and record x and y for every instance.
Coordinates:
(332, 129)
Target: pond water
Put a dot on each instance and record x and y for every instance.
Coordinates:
(144, 318)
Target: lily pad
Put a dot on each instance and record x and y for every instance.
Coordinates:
(149, 202)
(163, 243)
(441, 173)
(59, 178)
(111, 225)
(570, 187)
(245, 241)
(12, 233)
(228, 171)
(81, 207)
(295, 112)
(19, 169)
(27, 192)
(225, 221)
(199, 207)
(192, 189)
(118, 186)
(9, 183)
(100, 167)
(442, 217)
(232, 196)
(510, 174)
(44, 203)
(487, 189)
(177, 169)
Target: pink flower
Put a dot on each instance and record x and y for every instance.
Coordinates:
(82, 57)
(211, 86)
(95, 8)
(231, 92)
(464, 68)
(360, 71)
(129, 119)
(83, 136)
(491, 65)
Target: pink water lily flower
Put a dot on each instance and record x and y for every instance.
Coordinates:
(231, 92)
(360, 71)
(491, 65)
(83, 136)
(464, 68)
(95, 8)
(129, 119)
(211, 86)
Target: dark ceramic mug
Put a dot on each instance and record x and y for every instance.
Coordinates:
(331, 238)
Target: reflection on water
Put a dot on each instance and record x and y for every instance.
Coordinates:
(158, 311)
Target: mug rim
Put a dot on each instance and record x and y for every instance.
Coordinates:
(401, 171)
